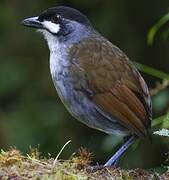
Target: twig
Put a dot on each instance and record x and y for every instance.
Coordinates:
(54, 163)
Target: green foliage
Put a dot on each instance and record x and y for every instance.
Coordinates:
(152, 71)
(160, 120)
(154, 30)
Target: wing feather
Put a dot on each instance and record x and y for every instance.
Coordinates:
(115, 84)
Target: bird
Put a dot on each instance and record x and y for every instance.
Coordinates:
(95, 80)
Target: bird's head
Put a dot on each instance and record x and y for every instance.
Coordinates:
(60, 22)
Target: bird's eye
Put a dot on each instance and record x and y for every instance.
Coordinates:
(56, 19)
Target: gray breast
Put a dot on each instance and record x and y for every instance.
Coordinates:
(77, 103)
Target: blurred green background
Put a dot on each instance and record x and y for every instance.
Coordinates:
(31, 113)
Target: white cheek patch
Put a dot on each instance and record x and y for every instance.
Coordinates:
(52, 27)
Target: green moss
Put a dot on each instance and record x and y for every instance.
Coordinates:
(13, 165)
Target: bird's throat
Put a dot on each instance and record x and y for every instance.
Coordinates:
(52, 40)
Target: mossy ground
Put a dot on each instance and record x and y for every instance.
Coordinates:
(13, 165)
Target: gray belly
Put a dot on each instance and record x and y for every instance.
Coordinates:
(83, 109)
(77, 103)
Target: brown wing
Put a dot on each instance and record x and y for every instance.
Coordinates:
(114, 84)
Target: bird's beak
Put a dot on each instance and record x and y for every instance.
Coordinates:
(32, 22)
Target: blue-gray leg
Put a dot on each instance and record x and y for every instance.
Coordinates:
(114, 159)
